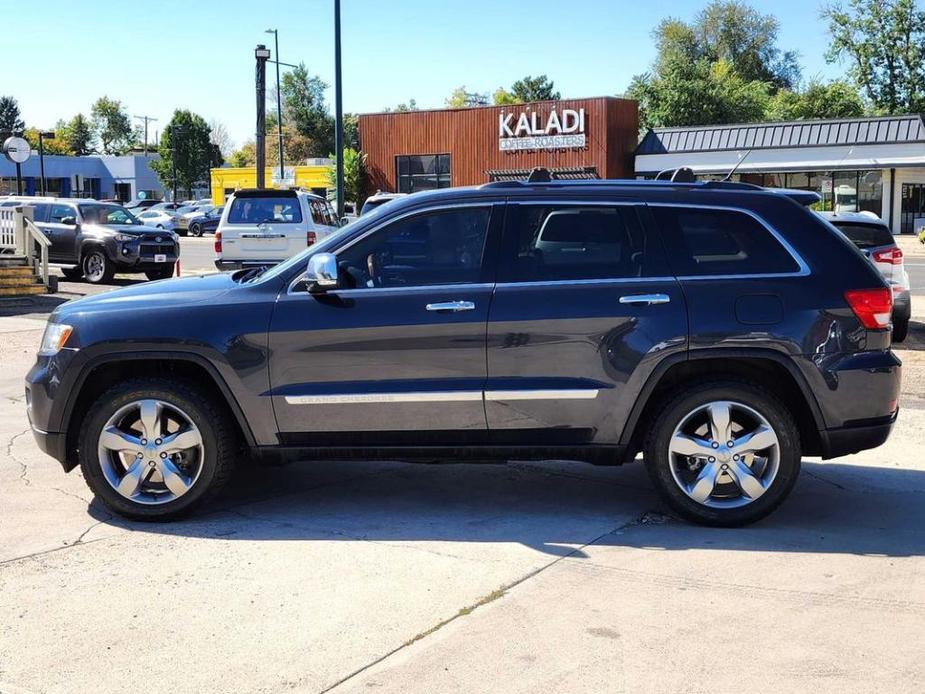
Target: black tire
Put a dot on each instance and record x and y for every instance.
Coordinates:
(161, 273)
(672, 413)
(72, 274)
(900, 330)
(96, 267)
(195, 229)
(220, 444)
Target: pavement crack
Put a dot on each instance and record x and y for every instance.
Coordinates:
(491, 597)
(824, 480)
(24, 469)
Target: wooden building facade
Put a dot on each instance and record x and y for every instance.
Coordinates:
(574, 138)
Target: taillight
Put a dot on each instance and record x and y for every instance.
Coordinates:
(310, 238)
(893, 256)
(218, 242)
(873, 307)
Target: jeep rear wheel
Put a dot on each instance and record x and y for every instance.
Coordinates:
(155, 448)
(724, 454)
(97, 269)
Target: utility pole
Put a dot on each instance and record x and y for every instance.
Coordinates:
(262, 55)
(146, 119)
(174, 137)
(279, 104)
(338, 114)
(43, 135)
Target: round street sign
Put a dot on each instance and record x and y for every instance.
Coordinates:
(142, 195)
(16, 149)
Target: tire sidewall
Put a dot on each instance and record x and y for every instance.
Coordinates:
(107, 267)
(93, 473)
(658, 459)
(195, 230)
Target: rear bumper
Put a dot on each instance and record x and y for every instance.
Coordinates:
(852, 439)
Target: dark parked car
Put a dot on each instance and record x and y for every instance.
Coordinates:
(206, 223)
(95, 240)
(697, 323)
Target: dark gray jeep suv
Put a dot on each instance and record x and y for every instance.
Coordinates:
(700, 324)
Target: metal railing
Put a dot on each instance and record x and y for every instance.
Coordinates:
(20, 237)
(7, 230)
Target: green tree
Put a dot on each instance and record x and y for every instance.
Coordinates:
(460, 98)
(539, 88)
(354, 174)
(694, 93)
(238, 158)
(187, 134)
(747, 39)
(78, 134)
(112, 126)
(835, 99)
(305, 108)
(884, 43)
(723, 67)
(10, 120)
(351, 130)
(54, 145)
(502, 97)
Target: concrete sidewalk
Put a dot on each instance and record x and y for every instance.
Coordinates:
(556, 577)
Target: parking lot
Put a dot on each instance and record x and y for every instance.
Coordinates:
(549, 576)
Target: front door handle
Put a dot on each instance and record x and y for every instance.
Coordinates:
(645, 299)
(452, 306)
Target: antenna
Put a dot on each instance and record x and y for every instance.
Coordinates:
(733, 170)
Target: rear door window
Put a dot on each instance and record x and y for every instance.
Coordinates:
(575, 242)
(40, 212)
(270, 209)
(716, 242)
(866, 235)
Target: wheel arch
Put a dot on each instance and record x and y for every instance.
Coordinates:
(767, 368)
(112, 368)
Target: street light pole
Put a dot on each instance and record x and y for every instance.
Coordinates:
(42, 135)
(174, 136)
(262, 55)
(338, 114)
(279, 104)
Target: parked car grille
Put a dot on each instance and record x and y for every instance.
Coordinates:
(157, 248)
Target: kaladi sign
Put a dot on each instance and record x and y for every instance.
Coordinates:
(536, 131)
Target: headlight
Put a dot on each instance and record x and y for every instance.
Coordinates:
(53, 340)
(125, 238)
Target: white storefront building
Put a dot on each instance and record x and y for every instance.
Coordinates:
(875, 164)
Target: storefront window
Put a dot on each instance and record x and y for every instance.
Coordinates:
(870, 192)
(422, 172)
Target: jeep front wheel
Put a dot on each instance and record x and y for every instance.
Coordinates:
(724, 454)
(155, 448)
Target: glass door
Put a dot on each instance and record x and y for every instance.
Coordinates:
(913, 206)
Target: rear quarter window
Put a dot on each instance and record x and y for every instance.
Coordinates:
(866, 235)
(270, 209)
(706, 242)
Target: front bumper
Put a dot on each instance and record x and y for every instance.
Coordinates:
(44, 395)
(139, 256)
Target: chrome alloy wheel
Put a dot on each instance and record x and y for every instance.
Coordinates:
(150, 452)
(724, 454)
(94, 266)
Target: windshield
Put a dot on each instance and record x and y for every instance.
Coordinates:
(269, 208)
(107, 215)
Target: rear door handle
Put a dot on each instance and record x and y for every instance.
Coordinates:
(452, 306)
(645, 299)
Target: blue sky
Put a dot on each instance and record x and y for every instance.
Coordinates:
(198, 54)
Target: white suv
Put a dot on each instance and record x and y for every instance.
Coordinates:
(264, 227)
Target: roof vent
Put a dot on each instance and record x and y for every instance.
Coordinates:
(539, 175)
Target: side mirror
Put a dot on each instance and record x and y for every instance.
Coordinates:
(70, 221)
(321, 274)
(343, 221)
